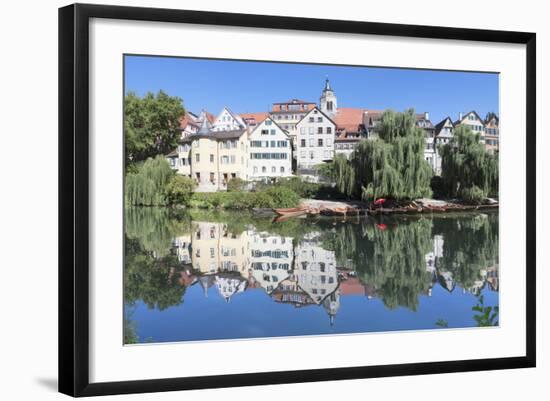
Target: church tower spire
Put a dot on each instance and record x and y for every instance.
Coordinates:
(328, 101)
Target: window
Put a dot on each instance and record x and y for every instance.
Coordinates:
(303, 143)
(273, 169)
(255, 169)
(326, 154)
(319, 119)
(320, 142)
(267, 122)
(272, 132)
(329, 130)
(211, 158)
(302, 130)
(265, 132)
(310, 130)
(302, 154)
(311, 119)
(273, 144)
(282, 169)
(329, 106)
(329, 142)
(212, 252)
(197, 157)
(312, 142)
(232, 159)
(263, 169)
(311, 155)
(320, 130)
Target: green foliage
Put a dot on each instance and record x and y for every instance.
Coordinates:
(146, 187)
(152, 280)
(150, 125)
(304, 189)
(272, 197)
(155, 227)
(129, 328)
(282, 197)
(326, 170)
(179, 190)
(471, 244)
(392, 260)
(236, 185)
(487, 316)
(391, 166)
(437, 186)
(466, 164)
(473, 194)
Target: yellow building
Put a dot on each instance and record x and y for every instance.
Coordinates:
(473, 121)
(216, 250)
(212, 158)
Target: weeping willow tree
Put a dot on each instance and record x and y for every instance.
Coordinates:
(155, 228)
(146, 186)
(471, 245)
(391, 260)
(467, 169)
(390, 166)
(150, 279)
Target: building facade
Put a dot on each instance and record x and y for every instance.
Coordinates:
(287, 114)
(270, 152)
(492, 132)
(431, 155)
(473, 121)
(212, 157)
(294, 137)
(315, 139)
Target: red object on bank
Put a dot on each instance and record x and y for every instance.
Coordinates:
(379, 202)
(382, 226)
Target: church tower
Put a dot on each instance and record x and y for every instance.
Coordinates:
(328, 100)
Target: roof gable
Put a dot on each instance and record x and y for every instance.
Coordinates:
(315, 110)
(263, 124)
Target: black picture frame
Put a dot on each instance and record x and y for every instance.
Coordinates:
(74, 198)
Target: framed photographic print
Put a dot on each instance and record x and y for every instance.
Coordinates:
(278, 199)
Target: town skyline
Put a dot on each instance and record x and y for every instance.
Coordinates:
(247, 87)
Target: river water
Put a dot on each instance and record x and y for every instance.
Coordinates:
(199, 275)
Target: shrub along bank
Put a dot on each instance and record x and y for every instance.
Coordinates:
(266, 198)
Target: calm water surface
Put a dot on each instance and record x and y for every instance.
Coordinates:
(205, 275)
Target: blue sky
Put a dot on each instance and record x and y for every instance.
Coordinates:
(253, 86)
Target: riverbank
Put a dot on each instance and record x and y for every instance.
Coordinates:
(345, 208)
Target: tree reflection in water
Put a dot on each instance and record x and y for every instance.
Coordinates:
(309, 261)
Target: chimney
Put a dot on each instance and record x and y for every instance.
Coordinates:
(426, 116)
(460, 115)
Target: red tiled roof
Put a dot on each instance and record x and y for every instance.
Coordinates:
(352, 286)
(295, 101)
(257, 117)
(189, 119)
(349, 119)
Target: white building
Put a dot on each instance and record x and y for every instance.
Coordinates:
(270, 152)
(228, 121)
(431, 155)
(315, 269)
(271, 258)
(315, 139)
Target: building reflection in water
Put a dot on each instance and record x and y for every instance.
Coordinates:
(301, 273)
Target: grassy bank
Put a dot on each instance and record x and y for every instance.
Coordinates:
(268, 198)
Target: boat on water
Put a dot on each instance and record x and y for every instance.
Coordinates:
(291, 211)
